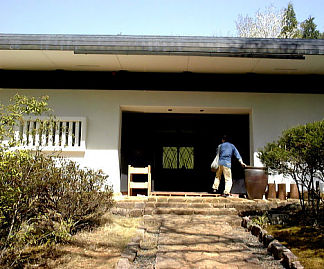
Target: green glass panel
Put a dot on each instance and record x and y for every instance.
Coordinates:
(170, 157)
(186, 157)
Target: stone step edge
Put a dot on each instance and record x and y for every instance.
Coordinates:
(274, 203)
(175, 205)
(198, 199)
(193, 200)
(175, 211)
(238, 206)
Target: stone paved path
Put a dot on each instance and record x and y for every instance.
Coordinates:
(195, 232)
(197, 241)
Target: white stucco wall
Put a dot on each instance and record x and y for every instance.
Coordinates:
(270, 114)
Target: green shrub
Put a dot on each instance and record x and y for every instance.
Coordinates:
(263, 220)
(45, 199)
(299, 154)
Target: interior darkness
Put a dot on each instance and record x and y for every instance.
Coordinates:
(145, 134)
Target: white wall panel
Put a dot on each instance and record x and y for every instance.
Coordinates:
(270, 115)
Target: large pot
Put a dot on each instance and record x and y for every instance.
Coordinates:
(256, 181)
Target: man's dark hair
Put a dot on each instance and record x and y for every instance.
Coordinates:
(225, 138)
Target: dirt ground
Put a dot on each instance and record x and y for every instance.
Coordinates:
(99, 248)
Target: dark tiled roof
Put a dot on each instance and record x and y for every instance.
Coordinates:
(164, 45)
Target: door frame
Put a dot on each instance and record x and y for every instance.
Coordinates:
(188, 110)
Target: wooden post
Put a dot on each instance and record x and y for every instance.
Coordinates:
(129, 181)
(149, 181)
(293, 192)
(282, 191)
(271, 193)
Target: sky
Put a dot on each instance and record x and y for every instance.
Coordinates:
(140, 17)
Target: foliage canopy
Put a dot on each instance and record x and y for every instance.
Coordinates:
(276, 23)
(299, 154)
(308, 29)
(289, 24)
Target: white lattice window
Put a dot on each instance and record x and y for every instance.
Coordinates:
(63, 133)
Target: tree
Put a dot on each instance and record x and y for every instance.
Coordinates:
(308, 29)
(276, 23)
(12, 115)
(299, 154)
(266, 24)
(289, 23)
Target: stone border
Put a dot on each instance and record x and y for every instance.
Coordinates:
(129, 254)
(275, 248)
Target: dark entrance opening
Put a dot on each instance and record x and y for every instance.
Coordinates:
(180, 147)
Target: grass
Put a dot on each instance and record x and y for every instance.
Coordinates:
(306, 242)
(99, 248)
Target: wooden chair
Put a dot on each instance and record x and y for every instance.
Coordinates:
(139, 185)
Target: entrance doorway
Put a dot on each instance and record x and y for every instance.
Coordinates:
(180, 147)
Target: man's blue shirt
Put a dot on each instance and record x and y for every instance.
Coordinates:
(227, 150)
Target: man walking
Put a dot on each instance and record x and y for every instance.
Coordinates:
(226, 151)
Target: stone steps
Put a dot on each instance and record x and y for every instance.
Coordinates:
(135, 207)
(193, 232)
(183, 205)
(192, 211)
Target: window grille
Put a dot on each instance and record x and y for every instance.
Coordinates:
(170, 157)
(178, 158)
(63, 133)
(186, 157)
